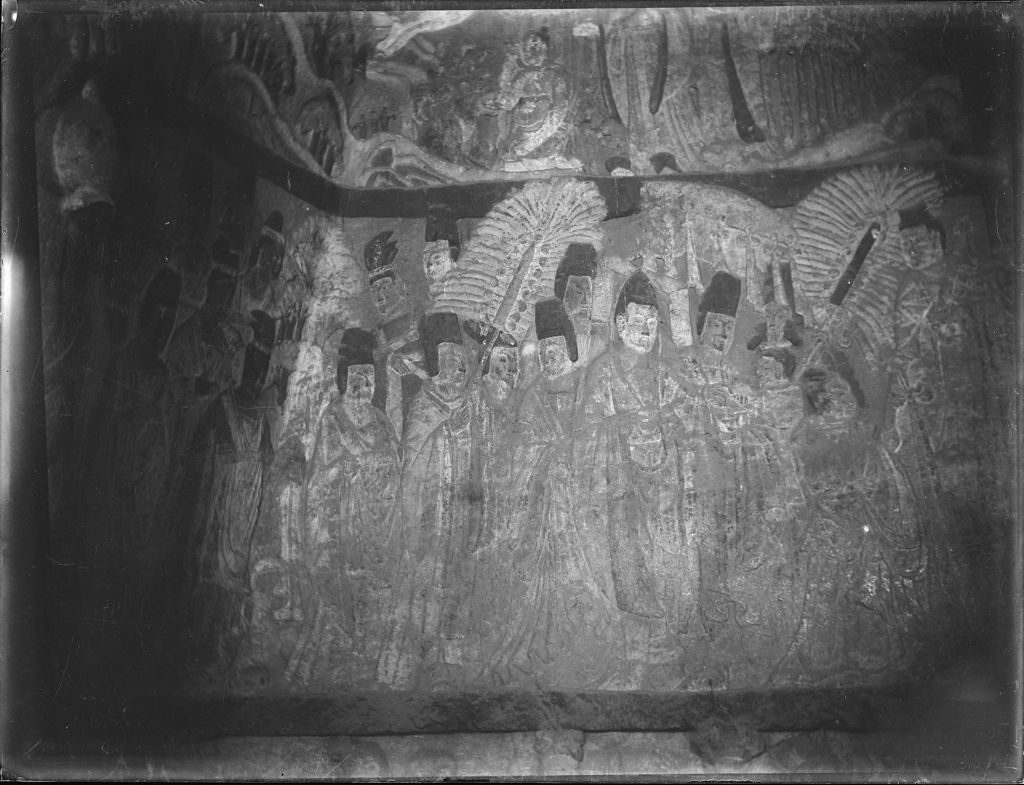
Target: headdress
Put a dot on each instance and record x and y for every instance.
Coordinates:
(637, 289)
(722, 296)
(579, 259)
(379, 254)
(356, 348)
(442, 233)
(437, 328)
(551, 320)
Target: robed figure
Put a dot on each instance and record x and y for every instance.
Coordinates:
(441, 512)
(353, 497)
(639, 528)
(552, 598)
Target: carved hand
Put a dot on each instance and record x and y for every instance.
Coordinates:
(460, 417)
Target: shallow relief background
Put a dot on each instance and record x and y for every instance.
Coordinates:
(787, 491)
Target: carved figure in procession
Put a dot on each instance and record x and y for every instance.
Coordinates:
(307, 394)
(441, 514)
(207, 349)
(388, 291)
(406, 368)
(544, 575)
(634, 417)
(860, 544)
(440, 250)
(267, 259)
(229, 458)
(353, 495)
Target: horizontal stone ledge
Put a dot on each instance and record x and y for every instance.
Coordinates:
(383, 713)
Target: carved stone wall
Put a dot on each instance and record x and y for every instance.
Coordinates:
(380, 100)
(540, 443)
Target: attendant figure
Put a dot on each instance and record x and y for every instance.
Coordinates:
(396, 325)
(224, 490)
(440, 250)
(266, 261)
(441, 510)
(635, 422)
(353, 495)
(397, 338)
(548, 593)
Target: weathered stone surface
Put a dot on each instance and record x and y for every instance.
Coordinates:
(397, 384)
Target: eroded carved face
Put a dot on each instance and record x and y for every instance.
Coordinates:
(638, 327)
(360, 385)
(578, 294)
(502, 370)
(389, 295)
(839, 404)
(437, 263)
(535, 50)
(923, 246)
(554, 356)
(451, 369)
(718, 332)
(269, 257)
(504, 363)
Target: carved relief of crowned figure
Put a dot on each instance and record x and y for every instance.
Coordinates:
(633, 493)
(353, 492)
(440, 510)
(396, 325)
(395, 328)
(533, 102)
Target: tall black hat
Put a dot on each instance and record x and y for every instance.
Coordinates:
(436, 328)
(274, 226)
(721, 296)
(637, 289)
(579, 259)
(379, 254)
(441, 227)
(357, 347)
(551, 320)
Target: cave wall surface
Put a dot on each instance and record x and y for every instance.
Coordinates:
(594, 351)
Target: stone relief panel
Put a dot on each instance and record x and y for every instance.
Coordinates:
(709, 443)
(553, 451)
(416, 98)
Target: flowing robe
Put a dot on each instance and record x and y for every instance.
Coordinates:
(224, 488)
(353, 490)
(552, 605)
(639, 530)
(441, 521)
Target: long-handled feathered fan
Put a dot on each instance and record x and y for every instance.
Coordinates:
(513, 256)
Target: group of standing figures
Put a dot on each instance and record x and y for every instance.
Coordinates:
(590, 507)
